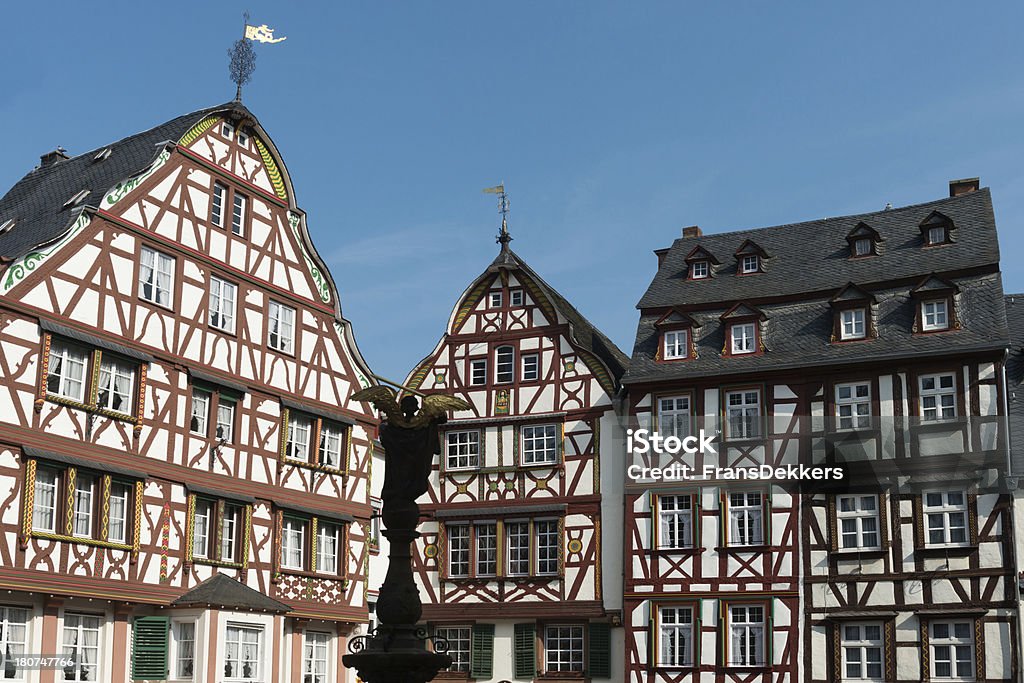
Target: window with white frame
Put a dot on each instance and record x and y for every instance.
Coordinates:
(937, 397)
(458, 639)
(547, 539)
(227, 130)
(750, 264)
(281, 329)
(674, 416)
(238, 213)
(293, 543)
(742, 338)
(945, 518)
(516, 297)
(853, 405)
(952, 649)
(327, 543)
(504, 364)
(858, 521)
(13, 640)
(230, 526)
(200, 412)
(225, 420)
(675, 345)
(675, 636)
(243, 139)
(44, 504)
(117, 515)
(156, 276)
(851, 324)
(81, 641)
(743, 414)
(746, 518)
(217, 206)
(117, 379)
(540, 444)
(675, 521)
(315, 648)
(517, 540)
(242, 652)
(458, 550)
(495, 299)
(462, 449)
(486, 549)
(223, 295)
(332, 441)
(746, 635)
(937, 234)
(297, 445)
(934, 315)
(862, 246)
(201, 524)
(531, 367)
(207, 517)
(563, 648)
(82, 507)
(478, 372)
(183, 635)
(862, 652)
(66, 371)
(699, 270)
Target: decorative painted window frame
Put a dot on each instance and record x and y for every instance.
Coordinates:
(694, 544)
(835, 535)
(316, 429)
(725, 631)
(314, 522)
(835, 634)
(444, 569)
(725, 514)
(217, 530)
(654, 633)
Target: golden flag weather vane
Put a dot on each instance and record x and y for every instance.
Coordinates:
(243, 56)
(503, 237)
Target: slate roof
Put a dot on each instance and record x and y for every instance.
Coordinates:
(36, 202)
(808, 265)
(584, 331)
(1015, 381)
(223, 591)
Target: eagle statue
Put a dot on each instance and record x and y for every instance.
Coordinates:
(405, 415)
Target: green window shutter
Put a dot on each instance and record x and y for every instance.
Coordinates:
(149, 648)
(481, 656)
(599, 664)
(525, 655)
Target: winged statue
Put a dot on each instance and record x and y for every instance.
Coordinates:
(434, 406)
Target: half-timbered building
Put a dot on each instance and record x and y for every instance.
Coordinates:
(184, 474)
(873, 344)
(519, 563)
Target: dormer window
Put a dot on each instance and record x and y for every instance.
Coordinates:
(937, 235)
(676, 345)
(742, 330)
(751, 264)
(699, 270)
(937, 229)
(863, 240)
(700, 262)
(77, 199)
(675, 328)
(742, 338)
(852, 324)
(935, 315)
(852, 311)
(862, 247)
(935, 311)
(750, 258)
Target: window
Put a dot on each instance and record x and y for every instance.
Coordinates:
(230, 527)
(516, 297)
(699, 270)
(675, 635)
(156, 276)
(674, 416)
(945, 518)
(184, 635)
(495, 299)
(281, 328)
(44, 505)
(675, 345)
(540, 444)
(227, 130)
(222, 304)
(563, 648)
(217, 207)
(546, 531)
(458, 550)
(305, 430)
(853, 405)
(863, 246)
(746, 518)
(238, 214)
(200, 412)
(222, 404)
(517, 535)
(952, 649)
(13, 639)
(242, 651)
(90, 502)
(225, 420)
(675, 521)
(377, 511)
(201, 528)
(462, 449)
(504, 370)
(938, 397)
(82, 508)
(742, 338)
(858, 522)
(937, 234)
(243, 139)
(314, 657)
(66, 371)
(297, 445)
(862, 652)
(332, 441)
(486, 549)
(478, 372)
(115, 387)
(750, 264)
(229, 518)
(82, 642)
(458, 638)
(851, 324)
(293, 543)
(117, 522)
(746, 635)
(531, 367)
(934, 315)
(743, 414)
(327, 543)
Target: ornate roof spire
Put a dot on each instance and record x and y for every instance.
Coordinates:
(503, 237)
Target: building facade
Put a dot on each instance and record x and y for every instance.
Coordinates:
(185, 476)
(872, 344)
(520, 559)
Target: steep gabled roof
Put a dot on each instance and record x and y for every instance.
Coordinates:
(221, 590)
(37, 202)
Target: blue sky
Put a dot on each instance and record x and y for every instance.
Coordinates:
(613, 125)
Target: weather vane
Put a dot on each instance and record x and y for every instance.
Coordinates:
(243, 56)
(499, 189)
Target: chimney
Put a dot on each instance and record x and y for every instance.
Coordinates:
(692, 231)
(660, 253)
(963, 186)
(50, 158)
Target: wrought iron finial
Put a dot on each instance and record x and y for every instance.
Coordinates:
(503, 237)
(243, 63)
